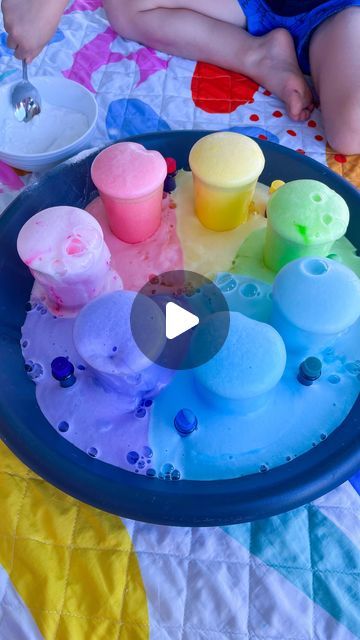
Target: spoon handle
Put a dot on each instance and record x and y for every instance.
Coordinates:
(25, 71)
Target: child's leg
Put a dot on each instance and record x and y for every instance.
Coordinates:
(210, 30)
(335, 67)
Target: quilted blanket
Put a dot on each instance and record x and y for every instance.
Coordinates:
(71, 572)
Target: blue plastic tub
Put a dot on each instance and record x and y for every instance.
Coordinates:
(185, 503)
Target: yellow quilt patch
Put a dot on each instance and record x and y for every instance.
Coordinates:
(74, 566)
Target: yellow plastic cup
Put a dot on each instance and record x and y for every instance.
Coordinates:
(226, 167)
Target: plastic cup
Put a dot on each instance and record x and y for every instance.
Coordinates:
(104, 339)
(65, 251)
(315, 301)
(243, 374)
(225, 167)
(305, 218)
(130, 181)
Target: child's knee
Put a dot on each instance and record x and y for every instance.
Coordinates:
(123, 17)
(343, 133)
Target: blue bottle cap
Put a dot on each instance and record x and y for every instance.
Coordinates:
(61, 368)
(309, 370)
(169, 184)
(63, 371)
(185, 422)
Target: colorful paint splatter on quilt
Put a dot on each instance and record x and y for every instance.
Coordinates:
(68, 571)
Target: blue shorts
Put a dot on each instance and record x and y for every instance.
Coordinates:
(261, 19)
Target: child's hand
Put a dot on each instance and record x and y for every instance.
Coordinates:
(30, 24)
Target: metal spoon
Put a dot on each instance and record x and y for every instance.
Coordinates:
(25, 98)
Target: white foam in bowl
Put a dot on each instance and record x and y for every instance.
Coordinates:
(61, 93)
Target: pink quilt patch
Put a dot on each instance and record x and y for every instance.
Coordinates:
(9, 179)
(84, 5)
(96, 53)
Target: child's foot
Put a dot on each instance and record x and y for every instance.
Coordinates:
(277, 69)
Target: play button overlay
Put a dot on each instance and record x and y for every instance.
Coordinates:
(187, 300)
(178, 320)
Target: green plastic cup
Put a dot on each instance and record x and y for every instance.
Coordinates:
(305, 218)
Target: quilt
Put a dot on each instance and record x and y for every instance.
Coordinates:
(71, 572)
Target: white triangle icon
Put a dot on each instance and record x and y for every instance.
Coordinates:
(178, 320)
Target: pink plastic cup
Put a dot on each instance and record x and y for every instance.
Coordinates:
(130, 181)
(65, 251)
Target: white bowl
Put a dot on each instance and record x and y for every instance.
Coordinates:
(61, 93)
